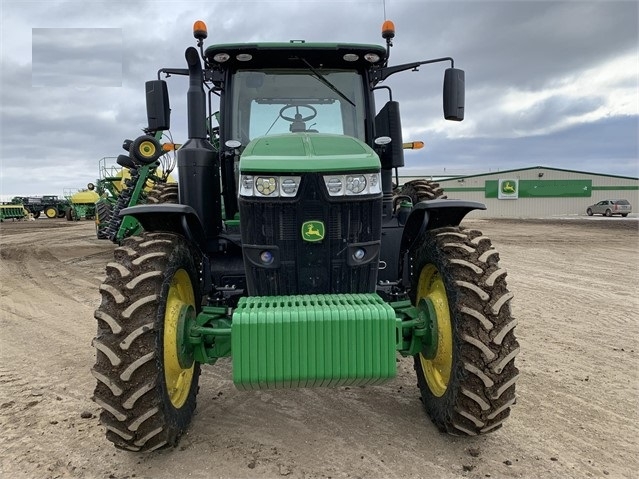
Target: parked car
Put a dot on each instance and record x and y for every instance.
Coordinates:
(610, 207)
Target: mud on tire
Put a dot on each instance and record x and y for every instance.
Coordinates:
(481, 387)
(137, 409)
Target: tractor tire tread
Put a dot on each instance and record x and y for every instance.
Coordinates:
(483, 377)
(129, 387)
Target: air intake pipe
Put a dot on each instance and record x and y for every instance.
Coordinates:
(198, 162)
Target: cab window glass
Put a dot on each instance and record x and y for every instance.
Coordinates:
(259, 98)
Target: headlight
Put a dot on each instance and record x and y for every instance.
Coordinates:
(289, 185)
(363, 184)
(355, 184)
(246, 185)
(334, 185)
(271, 186)
(266, 185)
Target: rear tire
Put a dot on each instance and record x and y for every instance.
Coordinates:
(163, 193)
(421, 190)
(468, 388)
(624, 215)
(51, 212)
(147, 398)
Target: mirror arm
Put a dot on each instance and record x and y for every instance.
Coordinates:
(383, 73)
(172, 71)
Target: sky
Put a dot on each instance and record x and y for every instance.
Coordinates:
(548, 83)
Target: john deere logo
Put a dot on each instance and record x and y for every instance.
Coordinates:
(313, 231)
(508, 189)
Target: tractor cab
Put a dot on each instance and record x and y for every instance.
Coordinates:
(294, 87)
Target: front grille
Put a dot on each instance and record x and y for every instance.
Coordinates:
(303, 267)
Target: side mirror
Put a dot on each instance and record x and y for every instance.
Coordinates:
(158, 111)
(454, 94)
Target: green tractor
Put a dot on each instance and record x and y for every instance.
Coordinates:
(291, 251)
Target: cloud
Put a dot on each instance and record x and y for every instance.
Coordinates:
(76, 57)
(545, 80)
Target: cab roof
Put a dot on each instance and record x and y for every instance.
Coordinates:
(290, 55)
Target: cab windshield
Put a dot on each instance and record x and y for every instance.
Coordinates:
(272, 102)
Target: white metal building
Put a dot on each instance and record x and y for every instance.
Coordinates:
(539, 192)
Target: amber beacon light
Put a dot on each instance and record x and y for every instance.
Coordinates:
(199, 30)
(388, 29)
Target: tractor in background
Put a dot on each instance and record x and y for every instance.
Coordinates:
(50, 205)
(290, 249)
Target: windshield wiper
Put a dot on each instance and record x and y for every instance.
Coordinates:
(323, 79)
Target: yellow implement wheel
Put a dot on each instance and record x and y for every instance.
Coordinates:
(51, 212)
(178, 380)
(437, 370)
(147, 149)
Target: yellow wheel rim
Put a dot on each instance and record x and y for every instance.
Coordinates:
(51, 212)
(437, 370)
(147, 149)
(178, 380)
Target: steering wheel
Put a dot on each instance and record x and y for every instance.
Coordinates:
(298, 116)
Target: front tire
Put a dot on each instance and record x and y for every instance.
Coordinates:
(608, 213)
(51, 212)
(468, 387)
(147, 396)
(589, 212)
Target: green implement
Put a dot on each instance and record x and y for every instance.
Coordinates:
(12, 212)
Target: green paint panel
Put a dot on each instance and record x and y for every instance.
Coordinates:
(615, 188)
(546, 188)
(313, 341)
(308, 152)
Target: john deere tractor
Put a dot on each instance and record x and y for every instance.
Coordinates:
(291, 251)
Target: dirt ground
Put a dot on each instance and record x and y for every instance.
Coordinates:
(576, 299)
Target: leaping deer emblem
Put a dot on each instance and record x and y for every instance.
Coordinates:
(311, 231)
(508, 188)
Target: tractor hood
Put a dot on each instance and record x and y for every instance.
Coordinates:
(308, 152)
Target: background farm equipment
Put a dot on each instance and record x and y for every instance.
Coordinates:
(50, 205)
(12, 211)
(81, 203)
(286, 246)
(132, 179)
